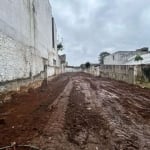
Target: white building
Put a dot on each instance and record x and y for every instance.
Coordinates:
(146, 60)
(28, 48)
(27, 38)
(122, 57)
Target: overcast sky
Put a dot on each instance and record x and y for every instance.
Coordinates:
(89, 27)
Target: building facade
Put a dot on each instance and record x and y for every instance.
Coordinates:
(122, 57)
(28, 38)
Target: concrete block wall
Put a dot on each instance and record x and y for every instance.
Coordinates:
(118, 72)
(94, 70)
(17, 60)
(133, 74)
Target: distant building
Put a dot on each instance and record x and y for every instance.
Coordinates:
(146, 60)
(122, 57)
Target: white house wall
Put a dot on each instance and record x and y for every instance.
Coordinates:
(50, 71)
(120, 58)
(15, 19)
(43, 27)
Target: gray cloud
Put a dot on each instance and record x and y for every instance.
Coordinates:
(89, 27)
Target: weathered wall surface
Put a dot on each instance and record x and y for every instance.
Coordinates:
(118, 72)
(94, 70)
(51, 71)
(25, 40)
(128, 73)
(72, 69)
(15, 20)
(17, 60)
(42, 20)
(29, 22)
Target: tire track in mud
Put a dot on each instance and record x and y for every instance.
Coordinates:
(85, 127)
(118, 130)
(53, 136)
(128, 129)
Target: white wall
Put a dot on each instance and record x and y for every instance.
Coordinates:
(94, 70)
(121, 57)
(50, 71)
(17, 60)
(15, 20)
(72, 69)
(25, 38)
(114, 59)
(53, 54)
(43, 27)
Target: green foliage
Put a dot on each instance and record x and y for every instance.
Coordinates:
(102, 56)
(138, 58)
(87, 65)
(60, 47)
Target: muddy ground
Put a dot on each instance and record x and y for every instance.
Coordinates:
(76, 111)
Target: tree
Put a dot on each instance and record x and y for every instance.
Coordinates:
(87, 65)
(102, 56)
(60, 47)
(138, 58)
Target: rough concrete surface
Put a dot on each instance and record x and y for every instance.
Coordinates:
(77, 111)
(26, 39)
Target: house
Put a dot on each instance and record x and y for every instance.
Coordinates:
(145, 57)
(122, 57)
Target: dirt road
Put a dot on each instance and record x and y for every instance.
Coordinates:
(77, 111)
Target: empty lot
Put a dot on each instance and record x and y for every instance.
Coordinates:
(77, 111)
